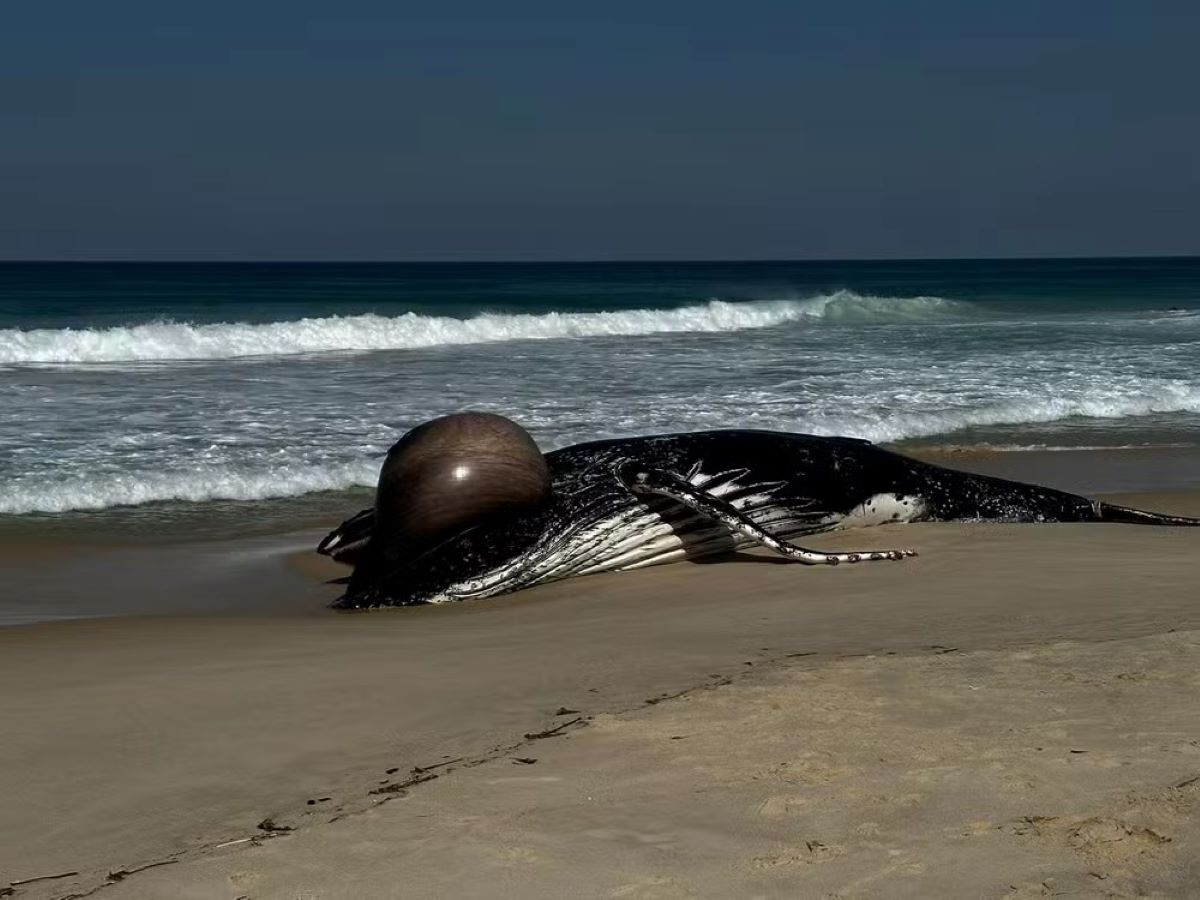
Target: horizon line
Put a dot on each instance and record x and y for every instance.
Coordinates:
(594, 261)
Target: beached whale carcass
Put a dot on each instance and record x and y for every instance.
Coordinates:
(467, 507)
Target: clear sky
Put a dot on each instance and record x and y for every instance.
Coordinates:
(566, 130)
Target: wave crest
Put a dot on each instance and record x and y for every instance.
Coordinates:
(227, 482)
(165, 341)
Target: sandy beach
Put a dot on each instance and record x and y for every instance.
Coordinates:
(1011, 714)
(477, 296)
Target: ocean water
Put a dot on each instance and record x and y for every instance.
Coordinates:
(159, 391)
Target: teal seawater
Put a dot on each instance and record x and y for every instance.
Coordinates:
(133, 384)
(56, 295)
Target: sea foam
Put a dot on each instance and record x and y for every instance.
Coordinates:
(259, 481)
(164, 341)
(222, 482)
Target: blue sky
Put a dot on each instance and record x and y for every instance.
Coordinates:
(470, 130)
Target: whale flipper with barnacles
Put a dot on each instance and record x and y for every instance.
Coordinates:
(467, 507)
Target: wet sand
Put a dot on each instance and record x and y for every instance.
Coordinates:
(834, 716)
(1083, 471)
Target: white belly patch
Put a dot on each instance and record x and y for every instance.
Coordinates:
(882, 509)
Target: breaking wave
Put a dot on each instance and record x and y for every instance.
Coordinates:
(161, 341)
(134, 488)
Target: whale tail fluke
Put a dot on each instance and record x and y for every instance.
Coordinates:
(1110, 512)
(958, 495)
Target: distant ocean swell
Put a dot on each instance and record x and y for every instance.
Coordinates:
(257, 480)
(165, 341)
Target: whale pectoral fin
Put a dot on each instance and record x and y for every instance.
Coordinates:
(656, 482)
(346, 542)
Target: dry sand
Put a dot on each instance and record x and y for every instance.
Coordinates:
(869, 731)
(1067, 770)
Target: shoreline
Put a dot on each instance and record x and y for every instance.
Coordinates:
(268, 567)
(1090, 470)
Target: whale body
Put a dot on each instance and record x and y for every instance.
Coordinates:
(634, 502)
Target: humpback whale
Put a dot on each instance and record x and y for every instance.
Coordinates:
(468, 508)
